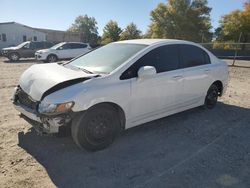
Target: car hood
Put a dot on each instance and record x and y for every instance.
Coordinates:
(10, 48)
(39, 79)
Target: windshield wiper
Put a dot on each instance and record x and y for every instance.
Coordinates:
(85, 70)
(79, 68)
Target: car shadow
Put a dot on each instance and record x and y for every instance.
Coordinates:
(139, 154)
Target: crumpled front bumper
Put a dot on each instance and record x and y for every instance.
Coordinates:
(43, 124)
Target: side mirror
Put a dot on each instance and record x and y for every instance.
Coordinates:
(146, 71)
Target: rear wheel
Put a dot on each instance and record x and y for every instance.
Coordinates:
(52, 58)
(212, 97)
(14, 56)
(97, 128)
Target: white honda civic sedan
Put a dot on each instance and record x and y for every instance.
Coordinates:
(118, 86)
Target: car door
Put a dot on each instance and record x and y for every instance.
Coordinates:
(77, 49)
(65, 51)
(27, 50)
(196, 74)
(158, 93)
(85, 48)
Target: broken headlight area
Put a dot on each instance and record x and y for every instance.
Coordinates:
(54, 109)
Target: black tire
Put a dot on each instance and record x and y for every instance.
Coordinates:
(14, 56)
(96, 128)
(211, 97)
(51, 58)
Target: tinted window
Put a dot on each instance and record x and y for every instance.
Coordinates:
(66, 46)
(207, 58)
(164, 59)
(77, 45)
(35, 38)
(193, 56)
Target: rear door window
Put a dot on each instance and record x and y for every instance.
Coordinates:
(78, 45)
(192, 56)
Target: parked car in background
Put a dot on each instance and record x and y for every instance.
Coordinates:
(24, 50)
(119, 86)
(64, 50)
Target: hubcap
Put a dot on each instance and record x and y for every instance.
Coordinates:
(14, 57)
(52, 59)
(99, 128)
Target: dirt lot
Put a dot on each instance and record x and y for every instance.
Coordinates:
(196, 148)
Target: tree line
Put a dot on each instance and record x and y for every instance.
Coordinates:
(175, 19)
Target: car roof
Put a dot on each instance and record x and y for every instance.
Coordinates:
(155, 41)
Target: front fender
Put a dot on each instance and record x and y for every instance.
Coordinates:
(88, 94)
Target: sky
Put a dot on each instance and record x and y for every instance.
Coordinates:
(60, 14)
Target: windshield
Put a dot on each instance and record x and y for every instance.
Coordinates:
(57, 45)
(23, 44)
(107, 58)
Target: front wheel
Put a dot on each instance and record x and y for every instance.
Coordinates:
(14, 56)
(212, 97)
(96, 128)
(51, 58)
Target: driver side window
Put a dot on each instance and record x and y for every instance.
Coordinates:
(26, 46)
(164, 58)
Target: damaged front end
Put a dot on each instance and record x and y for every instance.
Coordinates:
(44, 123)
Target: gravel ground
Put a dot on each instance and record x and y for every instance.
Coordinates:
(195, 148)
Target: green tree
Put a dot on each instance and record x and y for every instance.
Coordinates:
(87, 27)
(233, 24)
(181, 19)
(131, 32)
(111, 32)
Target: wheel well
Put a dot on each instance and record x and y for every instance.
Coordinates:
(13, 53)
(118, 109)
(219, 86)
